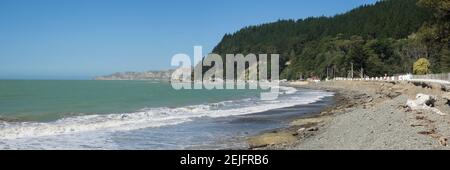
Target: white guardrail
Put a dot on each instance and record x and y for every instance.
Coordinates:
(432, 78)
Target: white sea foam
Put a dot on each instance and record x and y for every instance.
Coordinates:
(152, 117)
(288, 90)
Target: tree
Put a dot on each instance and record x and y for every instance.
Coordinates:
(441, 7)
(436, 33)
(445, 60)
(372, 37)
(421, 66)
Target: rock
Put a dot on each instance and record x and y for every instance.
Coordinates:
(423, 102)
(443, 141)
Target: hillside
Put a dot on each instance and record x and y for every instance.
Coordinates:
(376, 39)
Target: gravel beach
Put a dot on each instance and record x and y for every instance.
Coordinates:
(368, 115)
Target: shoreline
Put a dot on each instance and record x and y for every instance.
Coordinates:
(309, 122)
(365, 115)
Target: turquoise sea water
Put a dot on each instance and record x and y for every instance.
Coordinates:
(57, 114)
(47, 100)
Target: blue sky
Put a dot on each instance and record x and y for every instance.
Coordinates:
(78, 39)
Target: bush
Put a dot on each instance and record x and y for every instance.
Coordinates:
(421, 66)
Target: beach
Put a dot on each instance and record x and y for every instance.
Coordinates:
(366, 115)
(324, 115)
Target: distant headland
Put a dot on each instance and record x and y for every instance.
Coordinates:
(147, 75)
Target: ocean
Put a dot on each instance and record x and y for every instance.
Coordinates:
(88, 114)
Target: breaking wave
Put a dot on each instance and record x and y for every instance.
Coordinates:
(155, 117)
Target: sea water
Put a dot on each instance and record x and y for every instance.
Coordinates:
(87, 114)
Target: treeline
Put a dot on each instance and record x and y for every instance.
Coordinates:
(373, 40)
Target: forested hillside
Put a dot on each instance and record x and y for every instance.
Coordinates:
(386, 37)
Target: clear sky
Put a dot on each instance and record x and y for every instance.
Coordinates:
(73, 39)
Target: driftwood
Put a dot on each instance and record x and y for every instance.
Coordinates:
(424, 102)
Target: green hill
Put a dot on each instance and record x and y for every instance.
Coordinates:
(376, 39)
